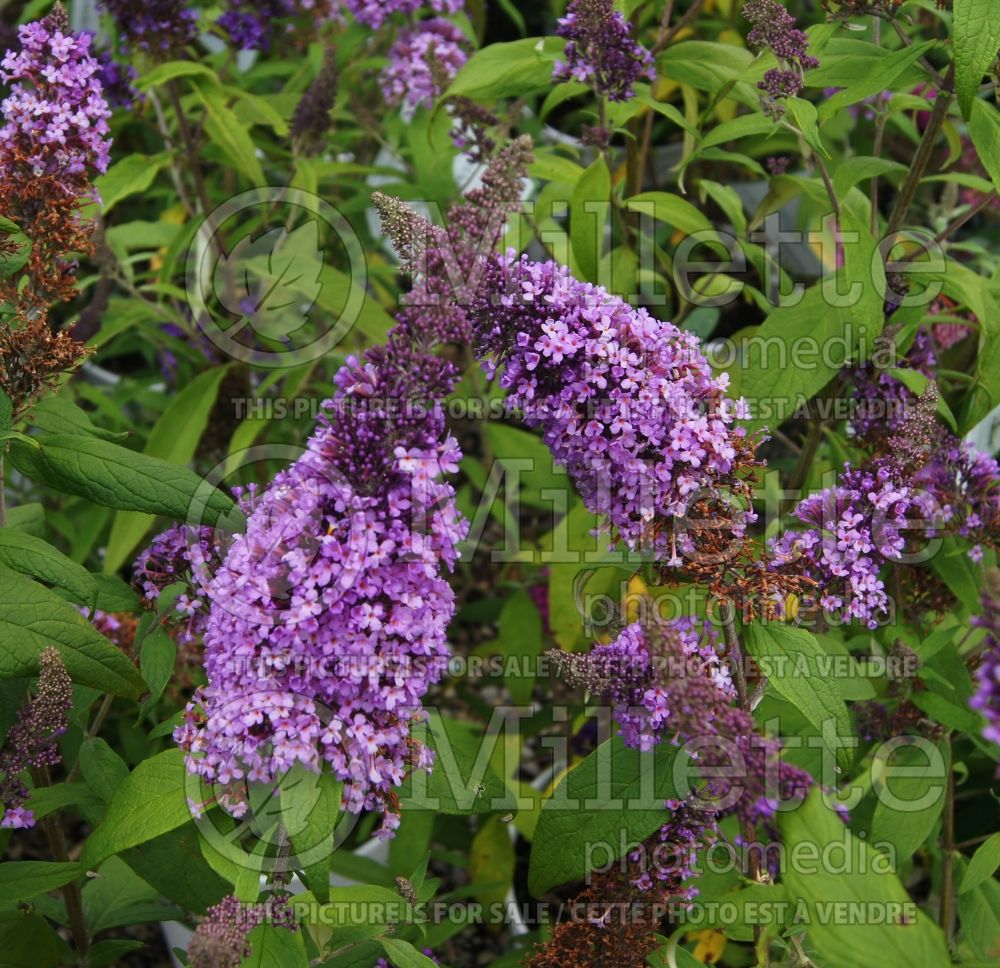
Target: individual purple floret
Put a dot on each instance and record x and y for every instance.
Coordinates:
(422, 61)
(374, 13)
(600, 50)
(628, 404)
(31, 741)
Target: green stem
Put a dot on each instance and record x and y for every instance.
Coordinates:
(70, 892)
(923, 156)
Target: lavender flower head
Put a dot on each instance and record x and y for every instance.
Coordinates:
(31, 741)
(854, 529)
(774, 29)
(160, 27)
(250, 25)
(667, 684)
(987, 696)
(421, 63)
(882, 401)
(186, 555)
(221, 938)
(327, 620)
(56, 119)
(374, 13)
(117, 81)
(600, 50)
(628, 404)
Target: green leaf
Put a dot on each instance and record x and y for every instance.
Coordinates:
(117, 896)
(862, 167)
(589, 210)
(705, 65)
(921, 794)
(673, 210)
(273, 947)
(36, 558)
(163, 73)
(504, 70)
(520, 638)
(131, 175)
(6, 411)
(27, 941)
(150, 801)
(403, 955)
(979, 916)
(976, 33)
(58, 415)
(225, 130)
(526, 460)
(32, 618)
(174, 865)
(984, 128)
(792, 661)
(861, 878)
(873, 75)
(491, 862)
(983, 865)
(174, 438)
(116, 477)
(102, 768)
(156, 661)
(110, 952)
(23, 880)
(461, 780)
(776, 388)
(310, 811)
(615, 796)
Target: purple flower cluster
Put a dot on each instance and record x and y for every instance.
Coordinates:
(31, 741)
(221, 938)
(250, 24)
(56, 118)
(117, 81)
(961, 488)
(600, 50)
(882, 401)
(689, 830)
(628, 404)
(667, 683)
(422, 61)
(183, 555)
(774, 29)
(161, 27)
(447, 263)
(327, 619)
(987, 696)
(374, 13)
(854, 529)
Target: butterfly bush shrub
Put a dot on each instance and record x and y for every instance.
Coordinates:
(499, 483)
